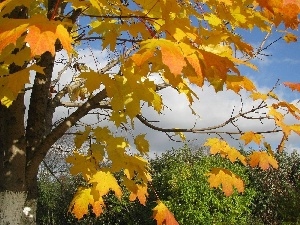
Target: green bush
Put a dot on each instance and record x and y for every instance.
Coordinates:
(180, 180)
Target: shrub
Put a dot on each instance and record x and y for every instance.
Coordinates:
(278, 196)
(180, 180)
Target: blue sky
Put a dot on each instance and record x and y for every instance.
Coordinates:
(282, 63)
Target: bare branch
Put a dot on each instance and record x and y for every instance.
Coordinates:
(208, 130)
(103, 38)
(121, 17)
(59, 74)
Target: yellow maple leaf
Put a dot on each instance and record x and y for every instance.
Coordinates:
(181, 135)
(290, 107)
(226, 179)
(118, 118)
(295, 128)
(81, 164)
(97, 152)
(81, 137)
(213, 19)
(258, 96)
(263, 160)
(290, 37)
(92, 80)
(221, 147)
(10, 31)
(104, 182)
(226, 2)
(141, 144)
(84, 198)
(97, 4)
(279, 119)
(134, 166)
(163, 216)
(80, 202)
(249, 136)
(236, 83)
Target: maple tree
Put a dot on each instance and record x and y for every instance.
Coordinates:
(183, 42)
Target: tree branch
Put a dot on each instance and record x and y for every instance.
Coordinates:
(59, 131)
(208, 130)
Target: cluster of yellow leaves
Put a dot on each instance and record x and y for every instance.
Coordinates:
(221, 147)
(126, 92)
(10, 88)
(100, 178)
(227, 179)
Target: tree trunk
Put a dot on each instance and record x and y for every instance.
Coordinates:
(13, 162)
(13, 190)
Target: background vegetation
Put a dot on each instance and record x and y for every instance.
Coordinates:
(179, 180)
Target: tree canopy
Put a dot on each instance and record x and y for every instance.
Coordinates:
(184, 43)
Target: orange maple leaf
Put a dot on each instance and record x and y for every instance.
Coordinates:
(292, 86)
(227, 179)
(172, 56)
(138, 191)
(42, 35)
(263, 160)
(163, 216)
(40, 41)
(285, 11)
(42, 38)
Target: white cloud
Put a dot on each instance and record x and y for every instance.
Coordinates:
(213, 109)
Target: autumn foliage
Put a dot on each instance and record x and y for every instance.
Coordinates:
(184, 42)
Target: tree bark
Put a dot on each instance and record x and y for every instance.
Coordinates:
(13, 162)
(36, 122)
(13, 151)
